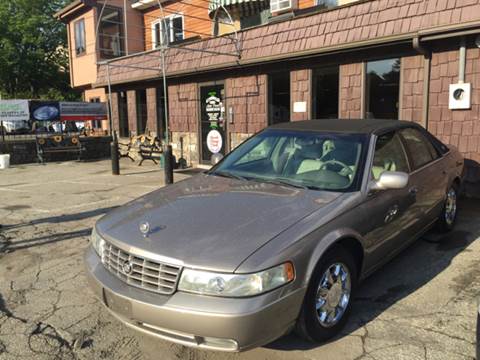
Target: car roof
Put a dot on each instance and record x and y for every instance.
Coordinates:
(353, 126)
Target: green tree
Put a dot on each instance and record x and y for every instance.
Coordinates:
(33, 51)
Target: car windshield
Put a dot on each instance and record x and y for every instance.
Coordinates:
(318, 161)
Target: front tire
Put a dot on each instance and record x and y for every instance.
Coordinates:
(327, 303)
(448, 217)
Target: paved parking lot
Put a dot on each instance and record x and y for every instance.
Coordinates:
(422, 305)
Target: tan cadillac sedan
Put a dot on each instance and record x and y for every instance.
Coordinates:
(277, 236)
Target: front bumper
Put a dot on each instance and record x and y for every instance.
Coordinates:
(224, 324)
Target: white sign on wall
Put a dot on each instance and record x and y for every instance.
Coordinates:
(214, 141)
(81, 111)
(300, 107)
(14, 110)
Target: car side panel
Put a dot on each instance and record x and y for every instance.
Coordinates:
(432, 183)
(391, 222)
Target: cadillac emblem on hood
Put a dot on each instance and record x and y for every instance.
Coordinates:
(144, 228)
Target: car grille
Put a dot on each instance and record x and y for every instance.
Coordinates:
(142, 273)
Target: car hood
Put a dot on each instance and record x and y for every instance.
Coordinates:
(210, 222)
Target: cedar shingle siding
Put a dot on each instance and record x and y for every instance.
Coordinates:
(380, 19)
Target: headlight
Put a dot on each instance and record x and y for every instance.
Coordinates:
(235, 285)
(97, 242)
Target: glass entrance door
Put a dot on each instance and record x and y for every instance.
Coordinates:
(212, 121)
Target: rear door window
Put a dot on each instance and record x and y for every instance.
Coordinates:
(421, 149)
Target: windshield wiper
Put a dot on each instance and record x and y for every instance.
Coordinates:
(282, 182)
(227, 174)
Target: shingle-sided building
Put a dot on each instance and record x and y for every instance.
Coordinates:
(416, 60)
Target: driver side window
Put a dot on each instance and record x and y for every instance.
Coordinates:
(389, 155)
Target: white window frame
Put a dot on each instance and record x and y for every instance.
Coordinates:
(275, 5)
(171, 30)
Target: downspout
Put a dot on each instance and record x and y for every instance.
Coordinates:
(427, 55)
(462, 60)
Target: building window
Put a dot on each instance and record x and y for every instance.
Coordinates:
(279, 97)
(329, 3)
(141, 111)
(80, 43)
(110, 31)
(173, 33)
(325, 93)
(279, 5)
(96, 124)
(123, 114)
(382, 89)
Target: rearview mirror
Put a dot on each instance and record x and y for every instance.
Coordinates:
(390, 180)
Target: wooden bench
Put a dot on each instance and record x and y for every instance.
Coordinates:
(58, 144)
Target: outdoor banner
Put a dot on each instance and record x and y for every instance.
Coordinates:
(83, 111)
(44, 110)
(14, 110)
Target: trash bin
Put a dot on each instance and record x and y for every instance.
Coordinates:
(4, 161)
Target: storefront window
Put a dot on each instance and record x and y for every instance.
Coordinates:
(141, 111)
(123, 114)
(111, 33)
(325, 93)
(279, 97)
(161, 123)
(382, 89)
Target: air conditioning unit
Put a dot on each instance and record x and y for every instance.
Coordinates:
(460, 95)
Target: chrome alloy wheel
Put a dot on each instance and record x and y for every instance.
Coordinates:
(333, 294)
(451, 207)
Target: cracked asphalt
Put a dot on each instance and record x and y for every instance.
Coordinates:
(422, 305)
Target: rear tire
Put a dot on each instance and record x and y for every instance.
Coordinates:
(448, 217)
(327, 303)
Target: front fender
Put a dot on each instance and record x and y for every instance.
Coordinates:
(328, 241)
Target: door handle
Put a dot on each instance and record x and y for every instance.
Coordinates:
(391, 213)
(413, 190)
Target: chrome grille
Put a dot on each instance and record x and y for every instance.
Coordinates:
(145, 274)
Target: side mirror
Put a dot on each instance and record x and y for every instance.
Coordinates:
(390, 180)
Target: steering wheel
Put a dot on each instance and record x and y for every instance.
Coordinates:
(349, 171)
